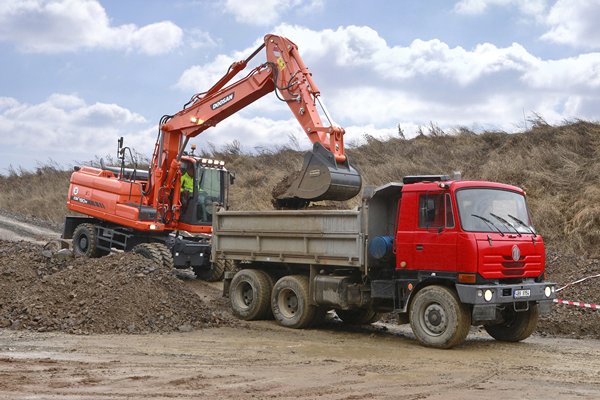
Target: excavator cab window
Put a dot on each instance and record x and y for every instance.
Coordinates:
(209, 188)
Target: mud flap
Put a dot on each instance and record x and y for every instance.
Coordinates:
(321, 178)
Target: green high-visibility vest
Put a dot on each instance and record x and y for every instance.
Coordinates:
(187, 182)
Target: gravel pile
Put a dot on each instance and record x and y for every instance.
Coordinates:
(121, 293)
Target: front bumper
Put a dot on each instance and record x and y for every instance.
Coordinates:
(502, 294)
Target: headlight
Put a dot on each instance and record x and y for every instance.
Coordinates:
(548, 291)
(488, 294)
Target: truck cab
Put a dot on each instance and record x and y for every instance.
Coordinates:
(474, 237)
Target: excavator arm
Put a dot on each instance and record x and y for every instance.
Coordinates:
(326, 173)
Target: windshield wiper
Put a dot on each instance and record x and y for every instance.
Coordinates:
(506, 223)
(490, 223)
(517, 220)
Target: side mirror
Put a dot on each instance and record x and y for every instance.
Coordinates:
(231, 178)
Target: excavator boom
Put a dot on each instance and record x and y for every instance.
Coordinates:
(326, 173)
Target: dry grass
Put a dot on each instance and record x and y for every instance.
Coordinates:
(41, 194)
(557, 166)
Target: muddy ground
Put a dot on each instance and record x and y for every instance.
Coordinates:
(204, 354)
(265, 361)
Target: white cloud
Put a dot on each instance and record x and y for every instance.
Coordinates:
(65, 127)
(200, 78)
(55, 26)
(474, 7)
(569, 22)
(580, 73)
(268, 12)
(198, 39)
(371, 86)
(574, 23)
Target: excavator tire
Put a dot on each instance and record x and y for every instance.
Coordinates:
(216, 271)
(149, 251)
(165, 253)
(84, 242)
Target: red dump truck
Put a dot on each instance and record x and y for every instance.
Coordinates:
(441, 254)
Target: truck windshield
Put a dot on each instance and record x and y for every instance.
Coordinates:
(493, 210)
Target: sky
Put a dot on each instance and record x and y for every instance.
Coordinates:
(75, 75)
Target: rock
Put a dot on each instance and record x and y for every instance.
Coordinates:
(185, 328)
(47, 253)
(16, 324)
(63, 254)
(4, 323)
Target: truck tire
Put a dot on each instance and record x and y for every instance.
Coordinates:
(517, 326)
(84, 242)
(358, 317)
(290, 302)
(215, 272)
(250, 294)
(166, 255)
(438, 318)
(149, 251)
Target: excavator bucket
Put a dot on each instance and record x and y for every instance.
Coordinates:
(321, 178)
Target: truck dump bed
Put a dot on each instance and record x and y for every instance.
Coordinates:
(325, 237)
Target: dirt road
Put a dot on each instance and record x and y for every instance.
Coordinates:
(266, 361)
(12, 229)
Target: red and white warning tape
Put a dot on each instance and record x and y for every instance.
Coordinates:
(577, 303)
(578, 281)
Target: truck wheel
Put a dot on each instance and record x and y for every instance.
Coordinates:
(290, 302)
(213, 273)
(165, 254)
(517, 326)
(149, 251)
(358, 317)
(84, 242)
(438, 318)
(250, 294)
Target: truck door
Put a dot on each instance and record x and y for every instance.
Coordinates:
(435, 234)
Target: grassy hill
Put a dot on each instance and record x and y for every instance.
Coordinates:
(557, 166)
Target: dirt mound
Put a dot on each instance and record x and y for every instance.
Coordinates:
(565, 320)
(118, 293)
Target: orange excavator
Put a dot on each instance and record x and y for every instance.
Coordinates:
(150, 213)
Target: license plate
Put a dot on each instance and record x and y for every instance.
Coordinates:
(520, 293)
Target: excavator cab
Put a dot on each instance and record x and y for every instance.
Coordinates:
(211, 187)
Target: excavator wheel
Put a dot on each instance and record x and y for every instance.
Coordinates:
(84, 242)
(166, 255)
(215, 272)
(149, 251)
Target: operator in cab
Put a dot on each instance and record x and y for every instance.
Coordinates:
(187, 179)
(187, 183)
